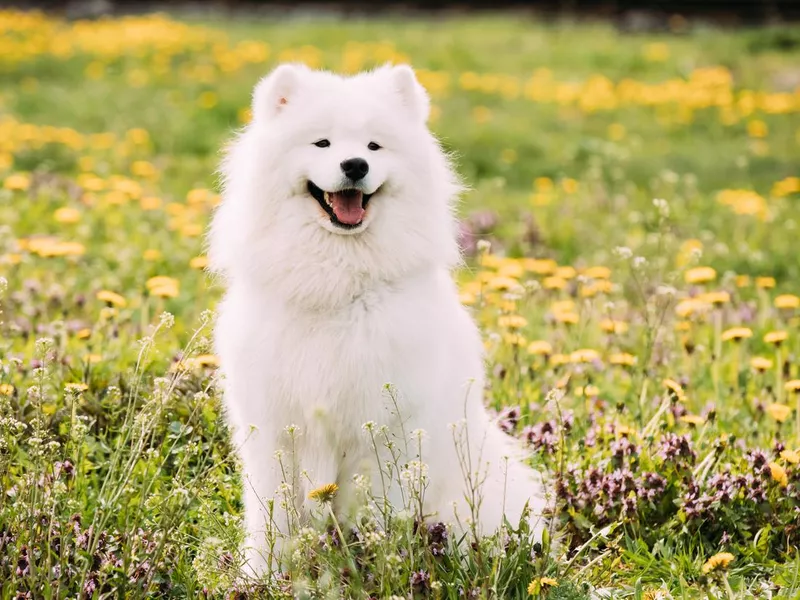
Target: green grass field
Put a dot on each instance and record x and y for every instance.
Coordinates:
(638, 294)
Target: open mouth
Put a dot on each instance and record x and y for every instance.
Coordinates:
(346, 208)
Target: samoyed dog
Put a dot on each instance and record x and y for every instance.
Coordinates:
(336, 239)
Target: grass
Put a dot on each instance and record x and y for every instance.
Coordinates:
(645, 350)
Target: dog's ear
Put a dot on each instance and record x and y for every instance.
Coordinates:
(275, 91)
(412, 95)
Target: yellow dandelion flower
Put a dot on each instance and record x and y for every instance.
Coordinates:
(199, 262)
(611, 326)
(540, 266)
(718, 562)
(515, 339)
(151, 254)
(700, 275)
(504, 283)
(512, 321)
(759, 363)
(566, 272)
(324, 494)
(597, 272)
(683, 326)
(510, 268)
(207, 360)
(793, 385)
(111, 298)
(715, 298)
(93, 358)
(562, 306)
(540, 348)
(694, 420)
(691, 306)
(569, 185)
(584, 355)
(736, 334)
(541, 584)
(765, 283)
(676, 388)
(17, 182)
(67, 215)
(150, 203)
(779, 412)
(568, 318)
(742, 281)
(164, 291)
(623, 359)
(597, 287)
(161, 281)
(791, 456)
(554, 283)
(559, 359)
(778, 474)
(775, 337)
(589, 391)
(6, 389)
(787, 301)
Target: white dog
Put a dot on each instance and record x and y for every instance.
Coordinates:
(336, 239)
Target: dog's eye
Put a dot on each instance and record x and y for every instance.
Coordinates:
(322, 143)
(373, 146)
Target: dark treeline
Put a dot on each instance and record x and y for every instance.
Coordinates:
(642, 13)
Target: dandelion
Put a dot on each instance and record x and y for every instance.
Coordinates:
(111, 298)
(694, 420)
(6, 389)
(67, 215)
(207, 360)
(512, 321)
(718, 562)
(715, 298)
(791, 456)
(17, 182)
(598, 272)
(793, 385)
(585, 355)
(776, 337)
(622, 359)
(504, 284)
(736, 334)
(554, 283)
(541, 584)
(700, 275)
(691, 306)
(760, 364)
(611, 326)
(540, 348)
(199, 262)
(779, 412)
(778, 474)
(765, 283)
(324, 494)
(568, 318)
(676, 388)
(787, 301)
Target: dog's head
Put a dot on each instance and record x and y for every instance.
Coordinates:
(340, 167)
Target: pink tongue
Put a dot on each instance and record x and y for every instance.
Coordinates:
(347, 207)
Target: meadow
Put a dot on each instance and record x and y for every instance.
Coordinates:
(631, 242)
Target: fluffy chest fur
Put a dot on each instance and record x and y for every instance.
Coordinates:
(334, 366)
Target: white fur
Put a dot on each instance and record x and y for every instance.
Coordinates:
(317, 319)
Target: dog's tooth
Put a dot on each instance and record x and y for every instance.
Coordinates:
(327, 197)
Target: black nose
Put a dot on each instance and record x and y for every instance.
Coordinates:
(355, 168)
